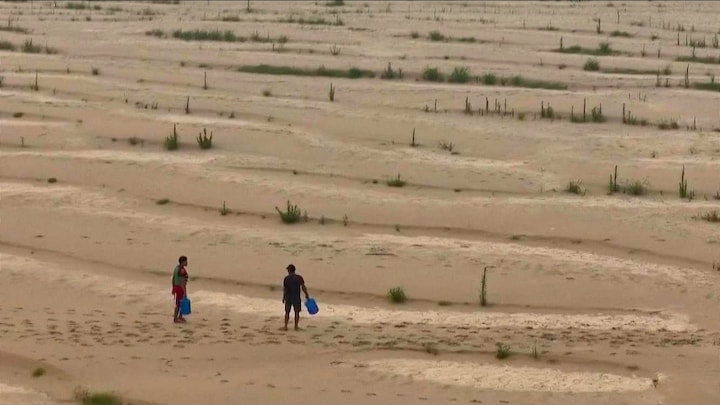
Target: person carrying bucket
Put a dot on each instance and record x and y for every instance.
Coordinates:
(291, 294)
(179, 287)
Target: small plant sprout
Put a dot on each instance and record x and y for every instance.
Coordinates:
(575, 187)
(334, 50)
(682, 188)
(613, 186)
(204, 141)
(412, 142)
(95, 71)
(534, 352)
(187, 105)
(38, 372)
(224, 210)
(291, 214)
(503, 351)
(172, 142)
(331, 93)
(396, 295)
(345, 220)
(396, 181)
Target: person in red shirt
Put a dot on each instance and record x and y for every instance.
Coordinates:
(179, 287)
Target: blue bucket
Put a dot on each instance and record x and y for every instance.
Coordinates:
(311, 306)
(185, 306)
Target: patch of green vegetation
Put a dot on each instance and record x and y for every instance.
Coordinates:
(602, 50)
(291, 214)
(623, 34)
(85, 397)
(38, 372)
(629, 71)
(575, 187)
(436, 36)
(155, 33)
(162, 201)
(7, 46)
(205, 35)
(352, 73)
(396, 181)
(668, 124)
(11, 28)
(397, 295)
(712, 86)
(461, 74)
(488, 79)
(503, 351)
(519, 81)
(699, 59)
(81, 6)
(432, 75)
(592, 65)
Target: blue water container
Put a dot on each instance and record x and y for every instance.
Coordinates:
(311, 306)
(185, 306)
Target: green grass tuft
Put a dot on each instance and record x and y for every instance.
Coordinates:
(575, 187)
(503, 351)
(436, 36)
(7, 46)
(602, 49)
(204, 141)
(432, 75)
(396, 181)
(712, 60)
(707, 86)
(668, 124)
(38, 372)
(205, 35)
(461, 74)
(352, 73)
(396, 295)
(97, 398)
(291, 214)
(488, 79)
(635, 187)
(592, 65)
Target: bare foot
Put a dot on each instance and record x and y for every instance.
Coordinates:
(284, 328)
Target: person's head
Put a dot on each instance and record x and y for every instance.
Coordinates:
(290, 268)
(183, 260)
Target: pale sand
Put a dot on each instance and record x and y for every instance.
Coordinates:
(10, 394)
(505, 378)
(613, 291)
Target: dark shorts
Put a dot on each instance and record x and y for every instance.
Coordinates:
(292, 304)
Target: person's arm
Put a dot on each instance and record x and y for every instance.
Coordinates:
(307, 296)
(285, 288)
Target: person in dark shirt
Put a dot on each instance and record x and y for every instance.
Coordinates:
(292, 285)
